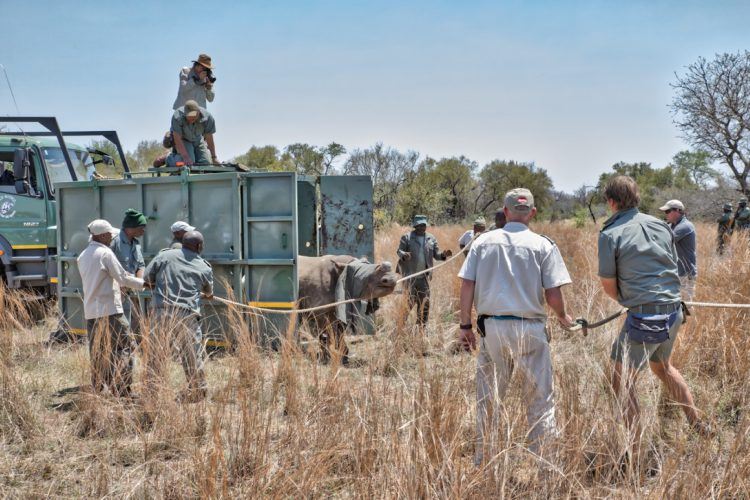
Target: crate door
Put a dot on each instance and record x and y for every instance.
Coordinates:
(346, 216)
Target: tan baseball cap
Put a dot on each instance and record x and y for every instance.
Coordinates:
(672, 204)
(519, 200)
(192, 108)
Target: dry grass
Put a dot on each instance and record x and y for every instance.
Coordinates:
(397, 424)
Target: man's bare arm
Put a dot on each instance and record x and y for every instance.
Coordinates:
(180, 147)
(554, 298)
(610, 287)
(466, 337)
(211, 146)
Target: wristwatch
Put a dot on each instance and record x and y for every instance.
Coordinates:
(467, 326)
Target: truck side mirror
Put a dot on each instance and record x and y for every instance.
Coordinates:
(21, 165)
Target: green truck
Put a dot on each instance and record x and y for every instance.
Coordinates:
(32, 164)
(255, 223)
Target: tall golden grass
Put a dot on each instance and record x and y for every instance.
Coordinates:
(397, 423)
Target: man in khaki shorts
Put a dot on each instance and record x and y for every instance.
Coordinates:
(508, 275)
(638, 269)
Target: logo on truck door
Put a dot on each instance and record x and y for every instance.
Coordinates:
(7, 207)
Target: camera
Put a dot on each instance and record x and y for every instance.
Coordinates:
(209, 76)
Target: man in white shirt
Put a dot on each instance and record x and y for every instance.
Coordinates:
(110, 340)
(508, 275)
(464, 242)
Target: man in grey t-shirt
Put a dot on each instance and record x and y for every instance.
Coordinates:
(638, 269)
(684, 242)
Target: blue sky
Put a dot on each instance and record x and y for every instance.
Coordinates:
(572, 86)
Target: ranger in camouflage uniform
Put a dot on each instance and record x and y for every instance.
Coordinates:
(417, 251)
(742, 216)
(725, 228)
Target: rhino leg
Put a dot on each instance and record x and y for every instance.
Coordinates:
(333, 340)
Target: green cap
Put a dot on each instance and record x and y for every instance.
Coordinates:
(133, 218)
(727, 207)
(418, 220)
(743, 200)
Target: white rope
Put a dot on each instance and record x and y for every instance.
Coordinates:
(428, 270)
(334, 304)
(717, 304)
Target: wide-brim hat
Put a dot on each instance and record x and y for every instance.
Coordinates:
(480, 221)
(204, 60)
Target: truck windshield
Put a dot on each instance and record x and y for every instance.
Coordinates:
(58, 170)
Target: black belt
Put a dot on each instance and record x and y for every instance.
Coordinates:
(655, 308)
(482, 317)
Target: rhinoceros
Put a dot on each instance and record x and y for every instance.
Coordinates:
(332, 278)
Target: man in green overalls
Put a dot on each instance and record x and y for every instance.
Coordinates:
(417, 252)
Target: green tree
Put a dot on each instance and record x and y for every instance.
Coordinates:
(651, 181)
(500, 176)
(388, 168)
(694, 167)
(453, 177)
(330, 153)
(419, 195)
(144, 155)
(262, 158)
(440, 189)
(304, 159)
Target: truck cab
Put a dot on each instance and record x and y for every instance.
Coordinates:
(31, 165)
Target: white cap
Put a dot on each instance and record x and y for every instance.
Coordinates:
(181, 226)
(672, 204)
(100, 226)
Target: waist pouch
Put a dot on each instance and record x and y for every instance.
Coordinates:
(649, 328)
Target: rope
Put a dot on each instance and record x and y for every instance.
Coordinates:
(718, 304)
(585, 325)
(334, 304)
(582, 324)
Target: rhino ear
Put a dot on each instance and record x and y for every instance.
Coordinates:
(339, 266)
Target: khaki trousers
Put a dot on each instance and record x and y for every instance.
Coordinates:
(174, 330)
(523, 345)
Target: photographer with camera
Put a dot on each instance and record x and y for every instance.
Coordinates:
(196, 83)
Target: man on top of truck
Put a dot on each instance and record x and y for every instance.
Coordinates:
(193, 131)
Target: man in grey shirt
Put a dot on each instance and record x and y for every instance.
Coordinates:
(684, 242)
(638, 269)
(193, 129)
(417, 252)
(179, 277)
